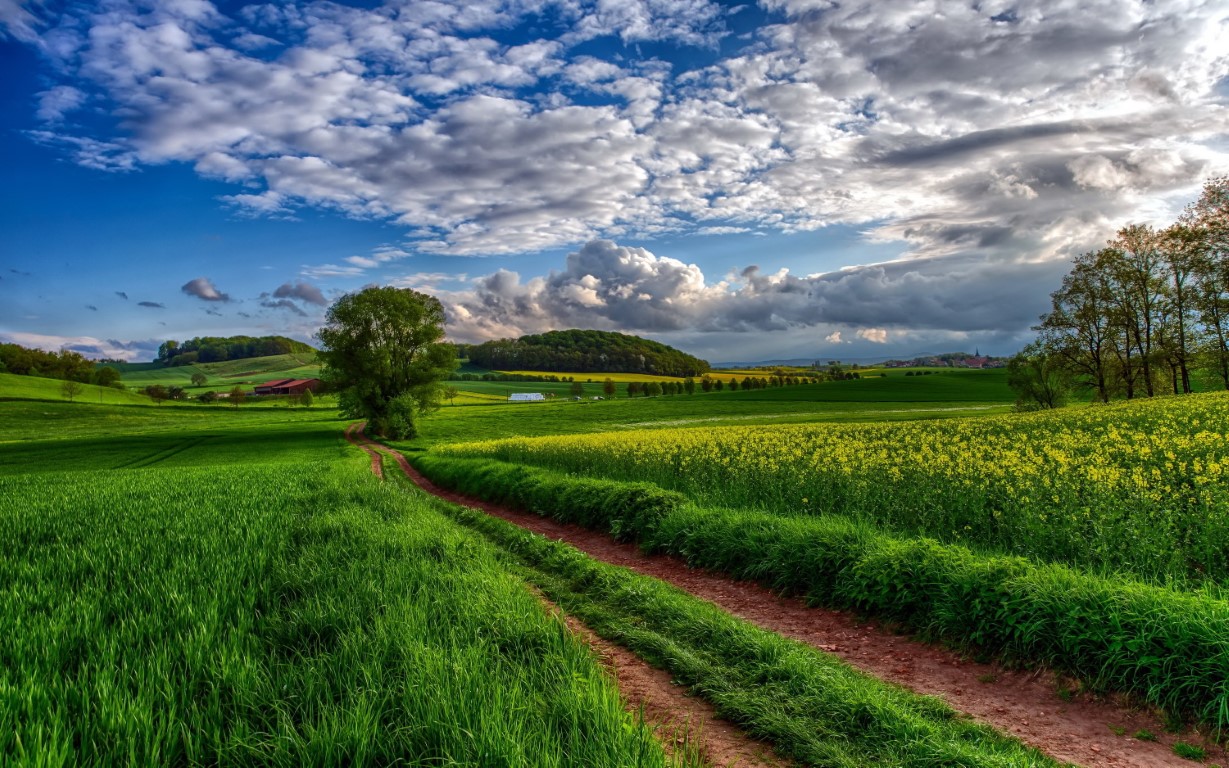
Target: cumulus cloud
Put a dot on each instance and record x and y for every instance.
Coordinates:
(111, 349)
(302, 291)
(204, 289)
(609, 286)
(988, 141)
(833, 338)
(286, 304)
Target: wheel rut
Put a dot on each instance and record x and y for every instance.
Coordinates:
(1037, 707)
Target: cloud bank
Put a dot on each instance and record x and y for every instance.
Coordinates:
(949, 126)
(608, 286)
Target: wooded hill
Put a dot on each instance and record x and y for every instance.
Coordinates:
(583, 352)
(215, 349)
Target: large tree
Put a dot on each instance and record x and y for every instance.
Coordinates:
(383, 353)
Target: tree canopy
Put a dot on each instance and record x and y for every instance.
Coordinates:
(383, 352)
(584, 352)
(1139, 315)
(215, 349)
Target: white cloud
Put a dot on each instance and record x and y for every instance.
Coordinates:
(55, 103)
(965, 131)
(833, 338)
(609, 286)
(204, 289)
(91, 347)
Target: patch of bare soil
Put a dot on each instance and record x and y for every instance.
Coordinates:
(684, 724)
(1037, 707)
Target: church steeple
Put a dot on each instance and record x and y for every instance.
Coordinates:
(976, 352)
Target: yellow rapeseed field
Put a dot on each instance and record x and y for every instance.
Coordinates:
(1139, 486)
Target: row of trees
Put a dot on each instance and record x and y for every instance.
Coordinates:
(216, 349)
(584, 351)
(64, 364)
(1141, 315)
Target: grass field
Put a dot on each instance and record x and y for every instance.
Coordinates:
(221, 376)
(188, 586)
(37, 388)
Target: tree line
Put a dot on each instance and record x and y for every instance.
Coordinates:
(1141, 316)
(584, 351)
(216, 349)
(65, 364)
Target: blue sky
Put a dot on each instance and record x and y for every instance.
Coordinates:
(791, 178)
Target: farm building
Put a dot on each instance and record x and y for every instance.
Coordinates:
(525, 397)
(287, 387)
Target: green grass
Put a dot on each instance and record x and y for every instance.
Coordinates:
(224, 375)
(1167, 646)
(812, 707)
(190, 586)
(14, 387)
(897, 398)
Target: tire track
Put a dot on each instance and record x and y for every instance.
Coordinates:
(683, 722)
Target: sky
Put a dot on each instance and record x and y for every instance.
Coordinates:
(745, 181)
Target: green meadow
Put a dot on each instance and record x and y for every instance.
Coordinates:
(184, 584)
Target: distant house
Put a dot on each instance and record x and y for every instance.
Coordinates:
(526, 397)
(287, 387)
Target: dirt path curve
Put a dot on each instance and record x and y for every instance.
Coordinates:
(1032, 706)
(682, 722)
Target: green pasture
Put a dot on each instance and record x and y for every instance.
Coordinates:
(221, 376)
(897, 397)
(14, 387)
(207, 585)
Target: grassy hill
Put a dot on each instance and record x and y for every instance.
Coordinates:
(224, 375)
(13, 387)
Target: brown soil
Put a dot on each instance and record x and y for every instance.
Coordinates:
(1038, 707)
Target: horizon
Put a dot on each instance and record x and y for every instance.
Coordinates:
(785, 179)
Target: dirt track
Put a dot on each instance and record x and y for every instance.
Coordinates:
(1032, 706)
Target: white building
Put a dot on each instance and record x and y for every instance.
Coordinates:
(526, 397)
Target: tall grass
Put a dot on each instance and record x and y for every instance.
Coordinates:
(279, 615)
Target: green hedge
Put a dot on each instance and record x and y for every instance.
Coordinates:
(1172, 648)
(627, 510)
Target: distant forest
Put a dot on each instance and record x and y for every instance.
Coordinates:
(583, 352)
(215, 349)
(64, 364)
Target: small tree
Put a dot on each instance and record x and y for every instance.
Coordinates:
(450, 393)
(718, 385)
(176, 393)
(577, 389)
(633, 388)
(70, 389)
(733, 385)
(207, 398)
(237, 396)
(1039, 379)
(608, 387)
(652, 389)
(706, 383)
(105, 376)
(157, 393)
(307, 399)
(199, 379)
(689, 385)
